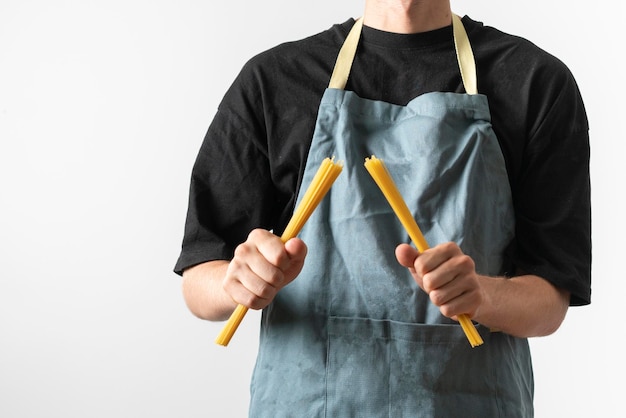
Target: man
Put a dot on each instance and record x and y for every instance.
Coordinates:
(500, 189)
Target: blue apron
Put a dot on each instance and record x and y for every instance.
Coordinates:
(353, 335)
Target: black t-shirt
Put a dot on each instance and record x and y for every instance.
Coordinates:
(248, 170)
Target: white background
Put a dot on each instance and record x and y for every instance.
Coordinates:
(103, 106)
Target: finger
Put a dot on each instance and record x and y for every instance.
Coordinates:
(246, 287)
(465, 303)
(448, 271)
(270, 247)
(250, 279)
(254, 269)
(435, 256)
(446, 293)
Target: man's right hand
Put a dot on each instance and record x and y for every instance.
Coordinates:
(261, 266)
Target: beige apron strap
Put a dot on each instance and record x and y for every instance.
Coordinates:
(464, 53)
(341, 72)
(465, 56)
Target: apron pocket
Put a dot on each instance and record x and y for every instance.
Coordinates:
(383, 368)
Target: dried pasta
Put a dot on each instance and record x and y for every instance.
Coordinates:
(325, 176)
(383, 179)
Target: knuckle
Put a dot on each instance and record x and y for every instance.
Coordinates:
(446, 311)
(274, 258)
(436, 298)
(466, 262)
(449, 246)
(250, 300)
(276, 278)
(265, 292)
(261, 298)
(427, 283)
(255, 234)
(242, 250)
(233, 274)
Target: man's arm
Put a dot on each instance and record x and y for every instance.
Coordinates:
(261, 266)
(204, 293)
(522, 306)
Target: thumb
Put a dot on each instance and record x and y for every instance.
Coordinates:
(297, 250)
(406, 255)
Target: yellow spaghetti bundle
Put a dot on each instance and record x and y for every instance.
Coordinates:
(325, 176)
(383, 179)
(320, 185)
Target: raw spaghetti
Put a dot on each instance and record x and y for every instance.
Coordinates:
(383, 179)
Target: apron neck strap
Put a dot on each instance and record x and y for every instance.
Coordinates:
(464, 54)
(339, 79)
